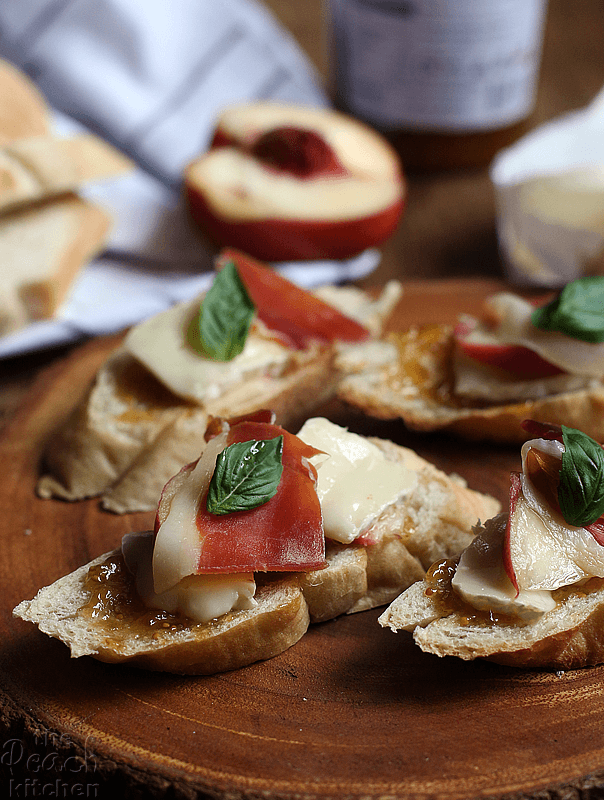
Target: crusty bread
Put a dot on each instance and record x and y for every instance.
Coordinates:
(42, 250)
(233, 641)
(435, 521)
(115, 429)
(417, 389)
(568, 637)
(124, 441)
(130, 434)
(47, 233)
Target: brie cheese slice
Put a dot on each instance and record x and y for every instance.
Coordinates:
(159, 343)
(356, 483)
(481, 580)
(198, 597)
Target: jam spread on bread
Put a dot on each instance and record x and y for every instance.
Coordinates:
(117, 608)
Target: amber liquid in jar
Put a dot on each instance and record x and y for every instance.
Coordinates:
(449, 83)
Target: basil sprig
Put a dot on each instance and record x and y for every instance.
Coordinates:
(247, 475)
(578, 311)
(581, 489)
(220, 327)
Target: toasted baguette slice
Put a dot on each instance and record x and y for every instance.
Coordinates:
(568, 637)
(434, 522)
(417, 389)
(278, 621)
(115, 430)
(128, 437)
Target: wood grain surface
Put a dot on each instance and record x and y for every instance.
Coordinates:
(351, 711)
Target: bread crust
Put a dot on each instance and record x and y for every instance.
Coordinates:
(47, 233)
(435, 521)
(416, 389)
(235, 640)
(570, 636)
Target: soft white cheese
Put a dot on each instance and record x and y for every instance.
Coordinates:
(198, 597)
(178, 543)
(356, 483)
(481, 580)
(515, 327)
(159, 343)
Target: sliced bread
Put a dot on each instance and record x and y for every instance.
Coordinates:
(435, 521)
(417, 388)
(568, 637)
(124, 440)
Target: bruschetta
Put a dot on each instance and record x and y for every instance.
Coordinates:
(528, 591)
(254, 340)
(481, 378)
(265, 533)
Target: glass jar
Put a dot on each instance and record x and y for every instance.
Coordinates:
(449, 82)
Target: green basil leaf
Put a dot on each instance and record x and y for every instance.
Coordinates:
(581, 489)
(247, 475)
(578, 311)
(220, 327)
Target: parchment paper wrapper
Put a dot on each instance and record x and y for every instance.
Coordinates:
(549, 189)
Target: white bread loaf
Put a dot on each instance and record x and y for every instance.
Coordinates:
(23, 110)
(417, 388)
(36, 168)
(126, 438)
(434, 521)
(47, 233)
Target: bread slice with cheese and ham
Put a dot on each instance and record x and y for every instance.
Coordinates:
(143, 415)
(481, 378)
(264, 534)
(528, 591)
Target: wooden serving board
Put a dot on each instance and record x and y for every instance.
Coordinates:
(351, 711)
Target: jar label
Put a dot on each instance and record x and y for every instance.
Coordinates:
(459, 65)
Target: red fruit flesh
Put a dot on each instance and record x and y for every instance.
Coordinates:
(517, 360)
(300, 152)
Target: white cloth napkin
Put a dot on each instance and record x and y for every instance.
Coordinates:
(151, 77)
(550, 199)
